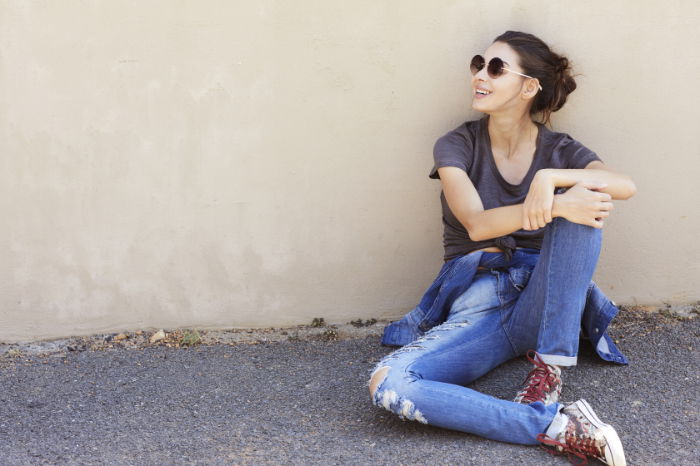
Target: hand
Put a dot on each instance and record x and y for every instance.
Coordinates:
(537, 208)
(583, 204)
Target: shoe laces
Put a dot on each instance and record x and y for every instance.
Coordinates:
(574, 446)
(541, 380)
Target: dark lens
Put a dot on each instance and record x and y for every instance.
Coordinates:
(477, 64)
(495, 68)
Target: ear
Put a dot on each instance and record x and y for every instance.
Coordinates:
(530, 88)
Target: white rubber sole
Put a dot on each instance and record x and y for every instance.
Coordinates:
(614, 454)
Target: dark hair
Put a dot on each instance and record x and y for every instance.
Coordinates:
(552, 70)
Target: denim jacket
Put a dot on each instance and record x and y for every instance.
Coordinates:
(456, 276)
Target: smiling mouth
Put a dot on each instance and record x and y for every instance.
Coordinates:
(482, 92)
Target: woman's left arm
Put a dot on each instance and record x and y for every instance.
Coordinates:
(619, 186)
(537, 208)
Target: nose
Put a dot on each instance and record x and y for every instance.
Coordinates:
(480, 77)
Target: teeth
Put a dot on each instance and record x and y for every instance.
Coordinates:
(479, 91)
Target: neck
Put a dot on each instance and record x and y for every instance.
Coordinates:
(508, 133)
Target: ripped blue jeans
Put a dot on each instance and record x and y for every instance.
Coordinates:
(534, 301)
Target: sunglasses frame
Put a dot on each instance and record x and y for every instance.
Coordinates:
(499, 67)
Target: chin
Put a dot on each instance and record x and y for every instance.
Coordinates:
(478, 108)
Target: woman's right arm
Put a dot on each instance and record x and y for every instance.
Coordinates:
(580, 204)
(465, 203)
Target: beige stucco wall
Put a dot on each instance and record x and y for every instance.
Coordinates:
(260, 163)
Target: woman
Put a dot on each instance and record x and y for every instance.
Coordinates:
(523, 209)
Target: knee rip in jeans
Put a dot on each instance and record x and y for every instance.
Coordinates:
(389, 399)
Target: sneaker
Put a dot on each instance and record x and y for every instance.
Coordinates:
(585, 435)
(543, 383)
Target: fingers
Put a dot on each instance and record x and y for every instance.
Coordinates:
(604, 209)
(548, 216)
(606, 206)
(537, 220)
(536, 215)
(529, 218)
(540, 220)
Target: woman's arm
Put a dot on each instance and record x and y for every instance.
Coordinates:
(581, 204)
(465, 203)
(537, 211)
(619, 186)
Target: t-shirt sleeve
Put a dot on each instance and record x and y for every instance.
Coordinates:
(575, 155)
(451, 150)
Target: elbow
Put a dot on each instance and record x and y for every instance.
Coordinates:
(478, 230)
(630, 189)
(475, 234)
(470, 228)
(474, 227)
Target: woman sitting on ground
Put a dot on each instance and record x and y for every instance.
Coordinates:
(523, 208)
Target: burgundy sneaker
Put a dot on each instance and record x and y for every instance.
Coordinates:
(585, 435)
(543, 383)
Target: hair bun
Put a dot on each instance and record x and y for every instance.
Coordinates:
(562, 65)
(553, 71)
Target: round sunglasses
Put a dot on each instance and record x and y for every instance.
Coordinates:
(495, 68)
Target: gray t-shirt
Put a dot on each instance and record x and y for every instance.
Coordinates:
(469, 147)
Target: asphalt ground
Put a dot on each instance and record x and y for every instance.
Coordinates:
(306, 402)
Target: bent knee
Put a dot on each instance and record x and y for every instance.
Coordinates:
(377, 378)
(393, 398)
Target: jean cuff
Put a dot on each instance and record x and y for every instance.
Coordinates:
(556, 360)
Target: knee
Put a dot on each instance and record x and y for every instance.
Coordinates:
(377, 378)
(571, 235)
(392, 398)
(562, 223)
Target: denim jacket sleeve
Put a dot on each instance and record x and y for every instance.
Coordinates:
(453, 279)
(456, 276)
(597, 315)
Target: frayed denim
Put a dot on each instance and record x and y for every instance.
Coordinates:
(534, 301)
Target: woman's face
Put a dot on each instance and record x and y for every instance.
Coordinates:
(504, 93)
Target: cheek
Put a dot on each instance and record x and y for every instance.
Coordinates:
(492, 101)
(501, 96)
